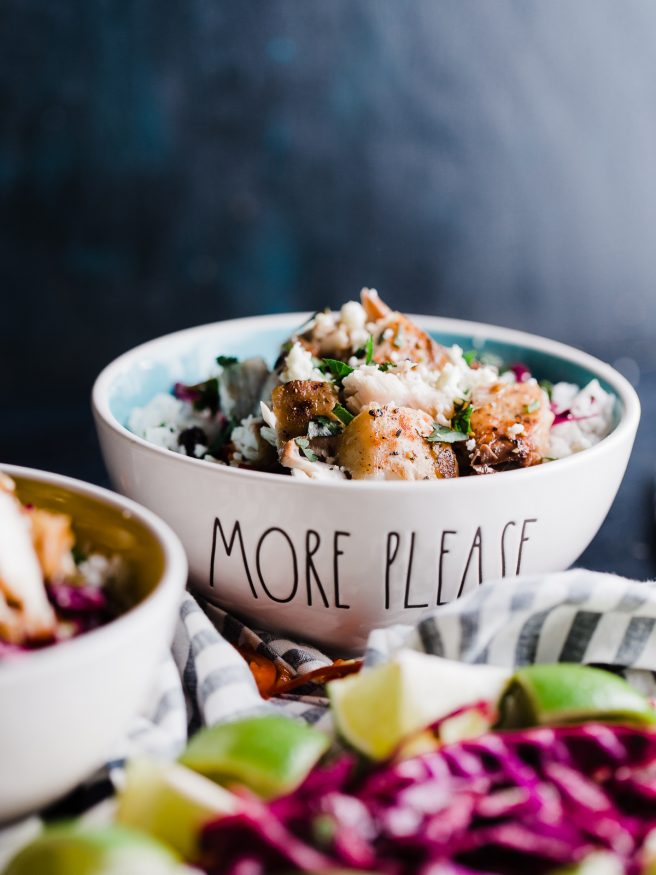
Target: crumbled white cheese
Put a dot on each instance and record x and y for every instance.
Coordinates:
(592, 410)
(516, 429)
(300, 366)
(98, 570)
(470, 445)
(246, 439)
(417, 385)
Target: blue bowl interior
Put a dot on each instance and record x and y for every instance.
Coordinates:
(157, 373)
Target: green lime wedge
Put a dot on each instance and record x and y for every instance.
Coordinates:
(171, 803)
(272, 755)
(380, 707)
(73, 849)
(539, 695)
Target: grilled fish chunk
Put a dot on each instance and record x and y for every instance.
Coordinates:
(390, 443)
(296, 403)
(510, 424)
(397, 338)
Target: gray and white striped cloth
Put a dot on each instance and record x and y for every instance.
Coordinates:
(576, 616)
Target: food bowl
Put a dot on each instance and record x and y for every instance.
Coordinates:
(65, 706)
(328, 561)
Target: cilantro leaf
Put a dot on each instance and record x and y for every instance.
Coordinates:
(226, 360)
(532, 406)
(323, 426)
(304, 446)
(446, 435)
(342, 413)
(385, 366)
(338, 369)
(470, 356)
(461, 420)
(369, 349)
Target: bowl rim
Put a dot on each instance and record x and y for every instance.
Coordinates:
(624, 430)
(173, 577)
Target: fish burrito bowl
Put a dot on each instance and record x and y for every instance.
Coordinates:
(333, 473)
(89, 588)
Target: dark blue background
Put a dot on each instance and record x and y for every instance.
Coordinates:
(169, 162)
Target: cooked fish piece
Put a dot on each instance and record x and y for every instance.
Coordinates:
(390, 443)
(510, 424)
(397, 338)
(241, 386)
(296, 403)
(291, 457)
(25, 612)
(53, 539)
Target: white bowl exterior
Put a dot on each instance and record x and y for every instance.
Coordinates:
(329, 562)
(333, 570)
(64, 708)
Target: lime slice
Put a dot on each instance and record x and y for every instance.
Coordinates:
(76, 850)
(539, 695)
(378, 708)
(171, 803)
(272, 755)
(596, 864)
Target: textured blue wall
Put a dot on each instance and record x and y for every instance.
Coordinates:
(170, 162)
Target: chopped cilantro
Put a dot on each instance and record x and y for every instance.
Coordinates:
(342, 413)
(369, 350)
(385, 366)
(323, 426)
(446, 435)
(533, 406)
(547, 385)
(304, 445)
(470, 356)
(338, 369)
(226, 360)
(461, 421)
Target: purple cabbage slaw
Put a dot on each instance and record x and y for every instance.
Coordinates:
(506, 802)
(79, 608)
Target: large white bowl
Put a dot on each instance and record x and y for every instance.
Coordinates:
(329, 561)
(63, 708)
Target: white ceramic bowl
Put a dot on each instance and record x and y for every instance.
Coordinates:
(63, 708)
(329, 561)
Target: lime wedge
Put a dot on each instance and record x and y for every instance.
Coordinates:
(378, 708)
(77, 850)
(171, 803)
(539, 695)
(272, 755)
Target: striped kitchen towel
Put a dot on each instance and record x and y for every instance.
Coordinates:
(575, 616)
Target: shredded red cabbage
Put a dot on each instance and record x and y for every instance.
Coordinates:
(521, 372)
(508, 803)
(79, 609)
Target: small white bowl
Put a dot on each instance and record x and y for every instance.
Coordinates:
(329, 561)
(64, 707)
